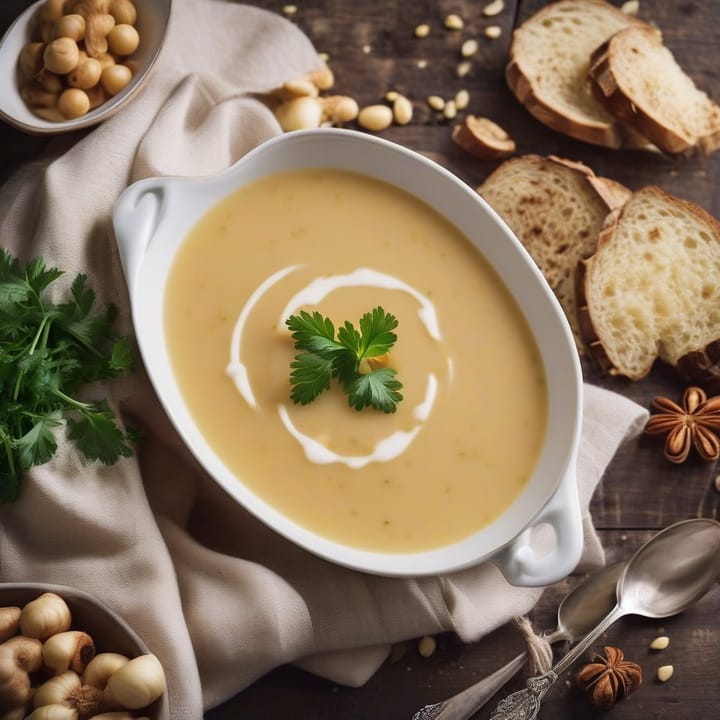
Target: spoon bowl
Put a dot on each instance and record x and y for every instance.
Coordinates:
(673, 570)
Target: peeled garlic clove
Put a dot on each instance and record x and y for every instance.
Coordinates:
(45, 616)
(664, 672)
(137, 683)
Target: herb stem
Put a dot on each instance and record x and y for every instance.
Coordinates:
(71, 400)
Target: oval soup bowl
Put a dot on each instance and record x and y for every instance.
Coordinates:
(151, 219)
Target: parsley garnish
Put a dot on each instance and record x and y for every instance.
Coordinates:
(48, 352)
(324, 357)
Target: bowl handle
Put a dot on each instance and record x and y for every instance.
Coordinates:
(136, 216)
(518, 561)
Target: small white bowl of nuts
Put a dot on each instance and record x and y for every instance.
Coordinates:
(66, 656)
(70, 64)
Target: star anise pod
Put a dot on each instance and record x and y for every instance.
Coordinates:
(609, 677)
(694, 423)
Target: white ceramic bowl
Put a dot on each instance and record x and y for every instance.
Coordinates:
(153, 216)
(108, 630)
(152, 22)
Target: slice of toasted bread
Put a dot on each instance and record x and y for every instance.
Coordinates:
(548, 68)
(483, 138)
(638, 80)
(556, 208)
(652, 289)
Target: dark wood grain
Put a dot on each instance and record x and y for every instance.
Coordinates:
(372, 50)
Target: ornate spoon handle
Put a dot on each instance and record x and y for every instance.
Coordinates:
(525, 704)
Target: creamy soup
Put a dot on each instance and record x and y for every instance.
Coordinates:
(467, 435)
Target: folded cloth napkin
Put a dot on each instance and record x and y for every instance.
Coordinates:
(219, 597)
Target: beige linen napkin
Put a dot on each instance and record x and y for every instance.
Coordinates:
(219, 597)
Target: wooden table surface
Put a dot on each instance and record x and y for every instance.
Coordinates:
(372, 50)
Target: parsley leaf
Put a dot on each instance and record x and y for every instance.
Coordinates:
(324, 357)
(378, 389)
(48, 353)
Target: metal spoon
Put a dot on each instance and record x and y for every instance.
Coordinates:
(579, 612)
(665, 576)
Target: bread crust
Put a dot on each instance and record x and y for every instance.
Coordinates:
(607, 89)
(700, 365)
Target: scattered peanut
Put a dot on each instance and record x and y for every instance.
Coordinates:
(436, 103)
(299, 87)
(322, 78)
(299, 114)
(454, 22)
(392, 95)
(660, 643)
(422, 31)
(494, 8)
(717, 483)
(469, 48)
(427, 646)
(402, 110)
(664, 672)
(289, 9)
(422, 64)
(463, 68)
(339, 108)
(493, 32)
(375, 117)
(450, 110)
(462, 99)
(367, 49)
(631, 7)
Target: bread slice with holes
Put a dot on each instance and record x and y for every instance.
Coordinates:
(548, 69)
(652, 289)
(639, 81)
(556, 208)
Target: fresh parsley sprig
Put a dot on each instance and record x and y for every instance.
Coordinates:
(323, 357)
(48, 352)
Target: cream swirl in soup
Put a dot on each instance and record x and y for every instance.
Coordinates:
(468, 433)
